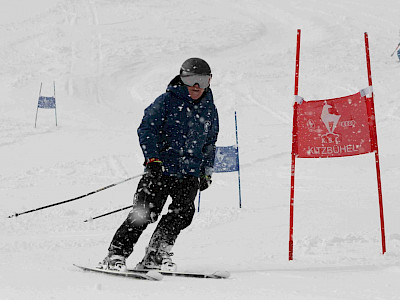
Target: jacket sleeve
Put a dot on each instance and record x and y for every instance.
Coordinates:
(150, 128)
(209, 147)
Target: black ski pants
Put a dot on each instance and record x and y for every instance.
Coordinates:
(149, 200)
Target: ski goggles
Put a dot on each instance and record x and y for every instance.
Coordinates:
(191, 79)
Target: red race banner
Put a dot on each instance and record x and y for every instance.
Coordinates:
(333, 128)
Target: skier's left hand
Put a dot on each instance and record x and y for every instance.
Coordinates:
(205, 182)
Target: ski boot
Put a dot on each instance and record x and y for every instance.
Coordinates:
(157, 259)
(113, 262)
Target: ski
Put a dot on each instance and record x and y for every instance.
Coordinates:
(214, 275)
(149, 275)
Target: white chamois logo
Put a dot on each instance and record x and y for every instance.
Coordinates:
(330, 121)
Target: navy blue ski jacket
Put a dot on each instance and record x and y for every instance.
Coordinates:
(181, 132)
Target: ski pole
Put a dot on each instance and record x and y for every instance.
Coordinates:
(109, 213)
(395, 49)
(76, 198)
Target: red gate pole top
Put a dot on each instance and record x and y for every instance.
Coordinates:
(296, 80)
(368, 59)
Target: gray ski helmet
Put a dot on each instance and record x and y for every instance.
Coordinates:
(195, 65)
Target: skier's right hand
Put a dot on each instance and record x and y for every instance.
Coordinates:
(154, 168)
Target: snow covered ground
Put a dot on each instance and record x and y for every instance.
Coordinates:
(110, 59)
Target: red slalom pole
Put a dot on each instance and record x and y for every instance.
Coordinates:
(294, 146)
(375, 144)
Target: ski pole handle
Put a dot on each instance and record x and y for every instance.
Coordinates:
(76, 198)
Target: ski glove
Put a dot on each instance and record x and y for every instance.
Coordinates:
(205, 182)
(154, 168)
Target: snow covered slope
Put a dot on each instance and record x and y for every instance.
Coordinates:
(109, 60)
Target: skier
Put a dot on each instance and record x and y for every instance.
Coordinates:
(398, 51)
(177, 135)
